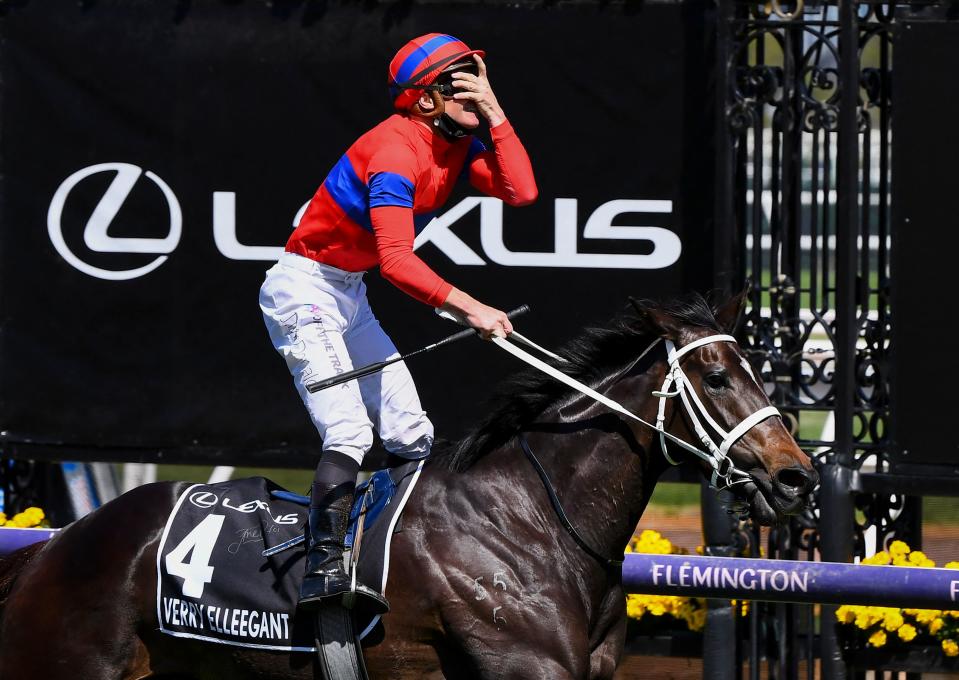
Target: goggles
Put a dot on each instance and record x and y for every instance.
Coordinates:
(444, 81)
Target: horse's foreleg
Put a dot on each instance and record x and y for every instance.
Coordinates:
(608, 637)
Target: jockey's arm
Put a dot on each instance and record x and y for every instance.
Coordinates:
(393, 227)
(505, 172)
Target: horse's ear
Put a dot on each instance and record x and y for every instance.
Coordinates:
(729, 313)
(656, 321)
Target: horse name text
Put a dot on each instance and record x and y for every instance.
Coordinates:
(246, 623)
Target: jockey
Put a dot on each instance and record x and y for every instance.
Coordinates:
(367, 212)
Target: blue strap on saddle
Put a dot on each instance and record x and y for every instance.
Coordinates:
(285, 495)
(377, 492)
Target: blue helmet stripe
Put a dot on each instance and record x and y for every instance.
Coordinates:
(412, 63)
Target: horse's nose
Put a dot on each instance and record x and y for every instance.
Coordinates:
(796, 480)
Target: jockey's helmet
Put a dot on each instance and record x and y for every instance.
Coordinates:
(418, 63)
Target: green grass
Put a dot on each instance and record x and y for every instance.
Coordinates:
(672, 498)
(940, 510)
(183, 473)
(805, 283)
(810, 424)
(294, 480)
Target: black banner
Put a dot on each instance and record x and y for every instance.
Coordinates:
(155, 156)
(924, 371)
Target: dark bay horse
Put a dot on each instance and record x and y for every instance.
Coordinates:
(484, 582)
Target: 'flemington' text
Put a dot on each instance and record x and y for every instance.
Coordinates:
(724, 577)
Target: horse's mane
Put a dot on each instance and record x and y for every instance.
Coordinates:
(593, 355)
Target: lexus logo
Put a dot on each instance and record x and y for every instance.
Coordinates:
(662, 246)
(204, 499)
(95, 234)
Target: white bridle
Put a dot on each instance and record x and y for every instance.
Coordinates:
(715, 456)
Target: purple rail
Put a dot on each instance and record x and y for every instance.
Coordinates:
(788, 581)
(14, 538)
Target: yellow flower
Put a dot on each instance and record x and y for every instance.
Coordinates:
(30, 517)
(917, 557)
(927, 615)
(863, 619)
(880, 558)
(634, 607)
(656, 608)
(906, 632)
(651, 542)
(697, 620)
(935, 625)
(845, 614)
(891, 619)
(878, 639)
(3, 519)
(952, 565)
(950, 648)
(898, 548)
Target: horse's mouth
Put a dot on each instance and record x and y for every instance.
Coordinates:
(766, 506)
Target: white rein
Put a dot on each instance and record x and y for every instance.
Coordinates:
(715, 456)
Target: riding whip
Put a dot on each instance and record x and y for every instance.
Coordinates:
(380, 365)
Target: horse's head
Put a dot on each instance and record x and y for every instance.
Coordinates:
(712, 401)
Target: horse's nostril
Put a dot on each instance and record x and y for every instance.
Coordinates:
(796, 478)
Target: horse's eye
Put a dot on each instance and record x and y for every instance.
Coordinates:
(716, 380)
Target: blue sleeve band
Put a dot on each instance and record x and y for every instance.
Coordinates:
(390, 189)
(476, 147)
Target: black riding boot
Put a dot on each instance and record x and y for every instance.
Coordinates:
(329, 518)
(327, 580)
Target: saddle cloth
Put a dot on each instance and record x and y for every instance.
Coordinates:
(215, 584)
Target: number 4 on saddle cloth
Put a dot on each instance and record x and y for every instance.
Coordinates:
(230, 560)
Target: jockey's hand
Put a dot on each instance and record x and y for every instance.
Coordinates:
(488, 321)
(477, 89)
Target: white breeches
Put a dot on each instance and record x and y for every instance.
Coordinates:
(321, 323)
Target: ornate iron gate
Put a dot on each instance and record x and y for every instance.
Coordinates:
(803, 193)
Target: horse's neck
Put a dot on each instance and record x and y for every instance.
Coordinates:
(603, 467)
